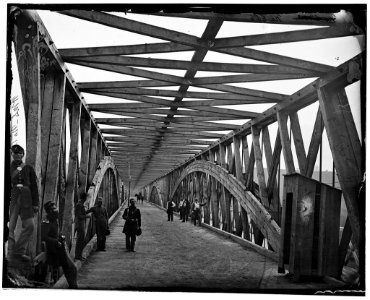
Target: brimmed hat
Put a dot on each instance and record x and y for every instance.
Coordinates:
(17, 149)
(48, 205)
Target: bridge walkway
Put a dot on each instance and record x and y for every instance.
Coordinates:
(177, 256)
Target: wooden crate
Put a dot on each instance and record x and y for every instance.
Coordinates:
(310, 227)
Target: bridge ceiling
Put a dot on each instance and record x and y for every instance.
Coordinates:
(163, 87)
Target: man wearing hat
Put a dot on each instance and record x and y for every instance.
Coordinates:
(24, 203)
(101, 223)
(133, 223)
(57, 254)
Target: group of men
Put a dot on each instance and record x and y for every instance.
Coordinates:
(24, 203)
(185, 208)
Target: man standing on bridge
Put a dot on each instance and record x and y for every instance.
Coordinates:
(196, 211)
(24, 203)
(101, 223)
(133, 223)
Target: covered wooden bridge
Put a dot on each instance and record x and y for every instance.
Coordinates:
(214, 103)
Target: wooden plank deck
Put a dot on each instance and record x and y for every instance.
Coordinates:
(176, 256)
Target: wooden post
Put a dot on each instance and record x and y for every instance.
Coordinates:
(314, 144)
(239, 175)
(266, 142)
(56, 130)
(243, 213)
(346, 150)
(26, 39)
(274, 166)
(72, 172)
(214, 199)
(85, 127)
(259, 165)
(298, 141)
(250, 170)
(225, 204)
(238, 159)
(47, 83)
(285, 141)
(98, 150)
(92, 157)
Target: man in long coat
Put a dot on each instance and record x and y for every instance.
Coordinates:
(133, 223)
(101, 223)
(24, 203)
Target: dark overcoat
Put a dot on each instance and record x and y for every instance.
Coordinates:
(24, 189)
(133, 220)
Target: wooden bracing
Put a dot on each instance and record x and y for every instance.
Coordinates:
(180, 134)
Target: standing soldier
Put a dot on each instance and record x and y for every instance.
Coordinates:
(185, 210)
(24, 203)
(80, 218)
(133, 223)
(181, 208)
(196, 211)
(101, 223)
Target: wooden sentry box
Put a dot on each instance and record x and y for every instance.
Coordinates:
(309, 239)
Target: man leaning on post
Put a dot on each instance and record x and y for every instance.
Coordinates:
(24, 203)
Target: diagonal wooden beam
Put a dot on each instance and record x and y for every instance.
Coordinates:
(178, 119)
(274, 166)
(132, 71)
(298, 142)
(186, 65)
(285, 141)
(314, 144)
(199, 111)
(304, 65)
(136, 27)
(299, 18)
(267, 146)
(288, 37)
(124, 50)
(195, 81)
(233, 93)
(236, 99)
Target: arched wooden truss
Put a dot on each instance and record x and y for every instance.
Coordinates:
(155, 196)
(237, 189)
(105, 166)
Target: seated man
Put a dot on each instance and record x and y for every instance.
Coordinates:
(57, 254)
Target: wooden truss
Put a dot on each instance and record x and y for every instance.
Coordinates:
(165, 126)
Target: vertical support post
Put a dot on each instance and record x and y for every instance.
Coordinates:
(26, 44)
(85, 127)
(92, 156)
(285, 141)
(238, 160)
(298, 142)
(346, 150)
(214, 199)
(56, 130)
(244, 214)
(224, 207)
(259, 165)
(72, 172)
